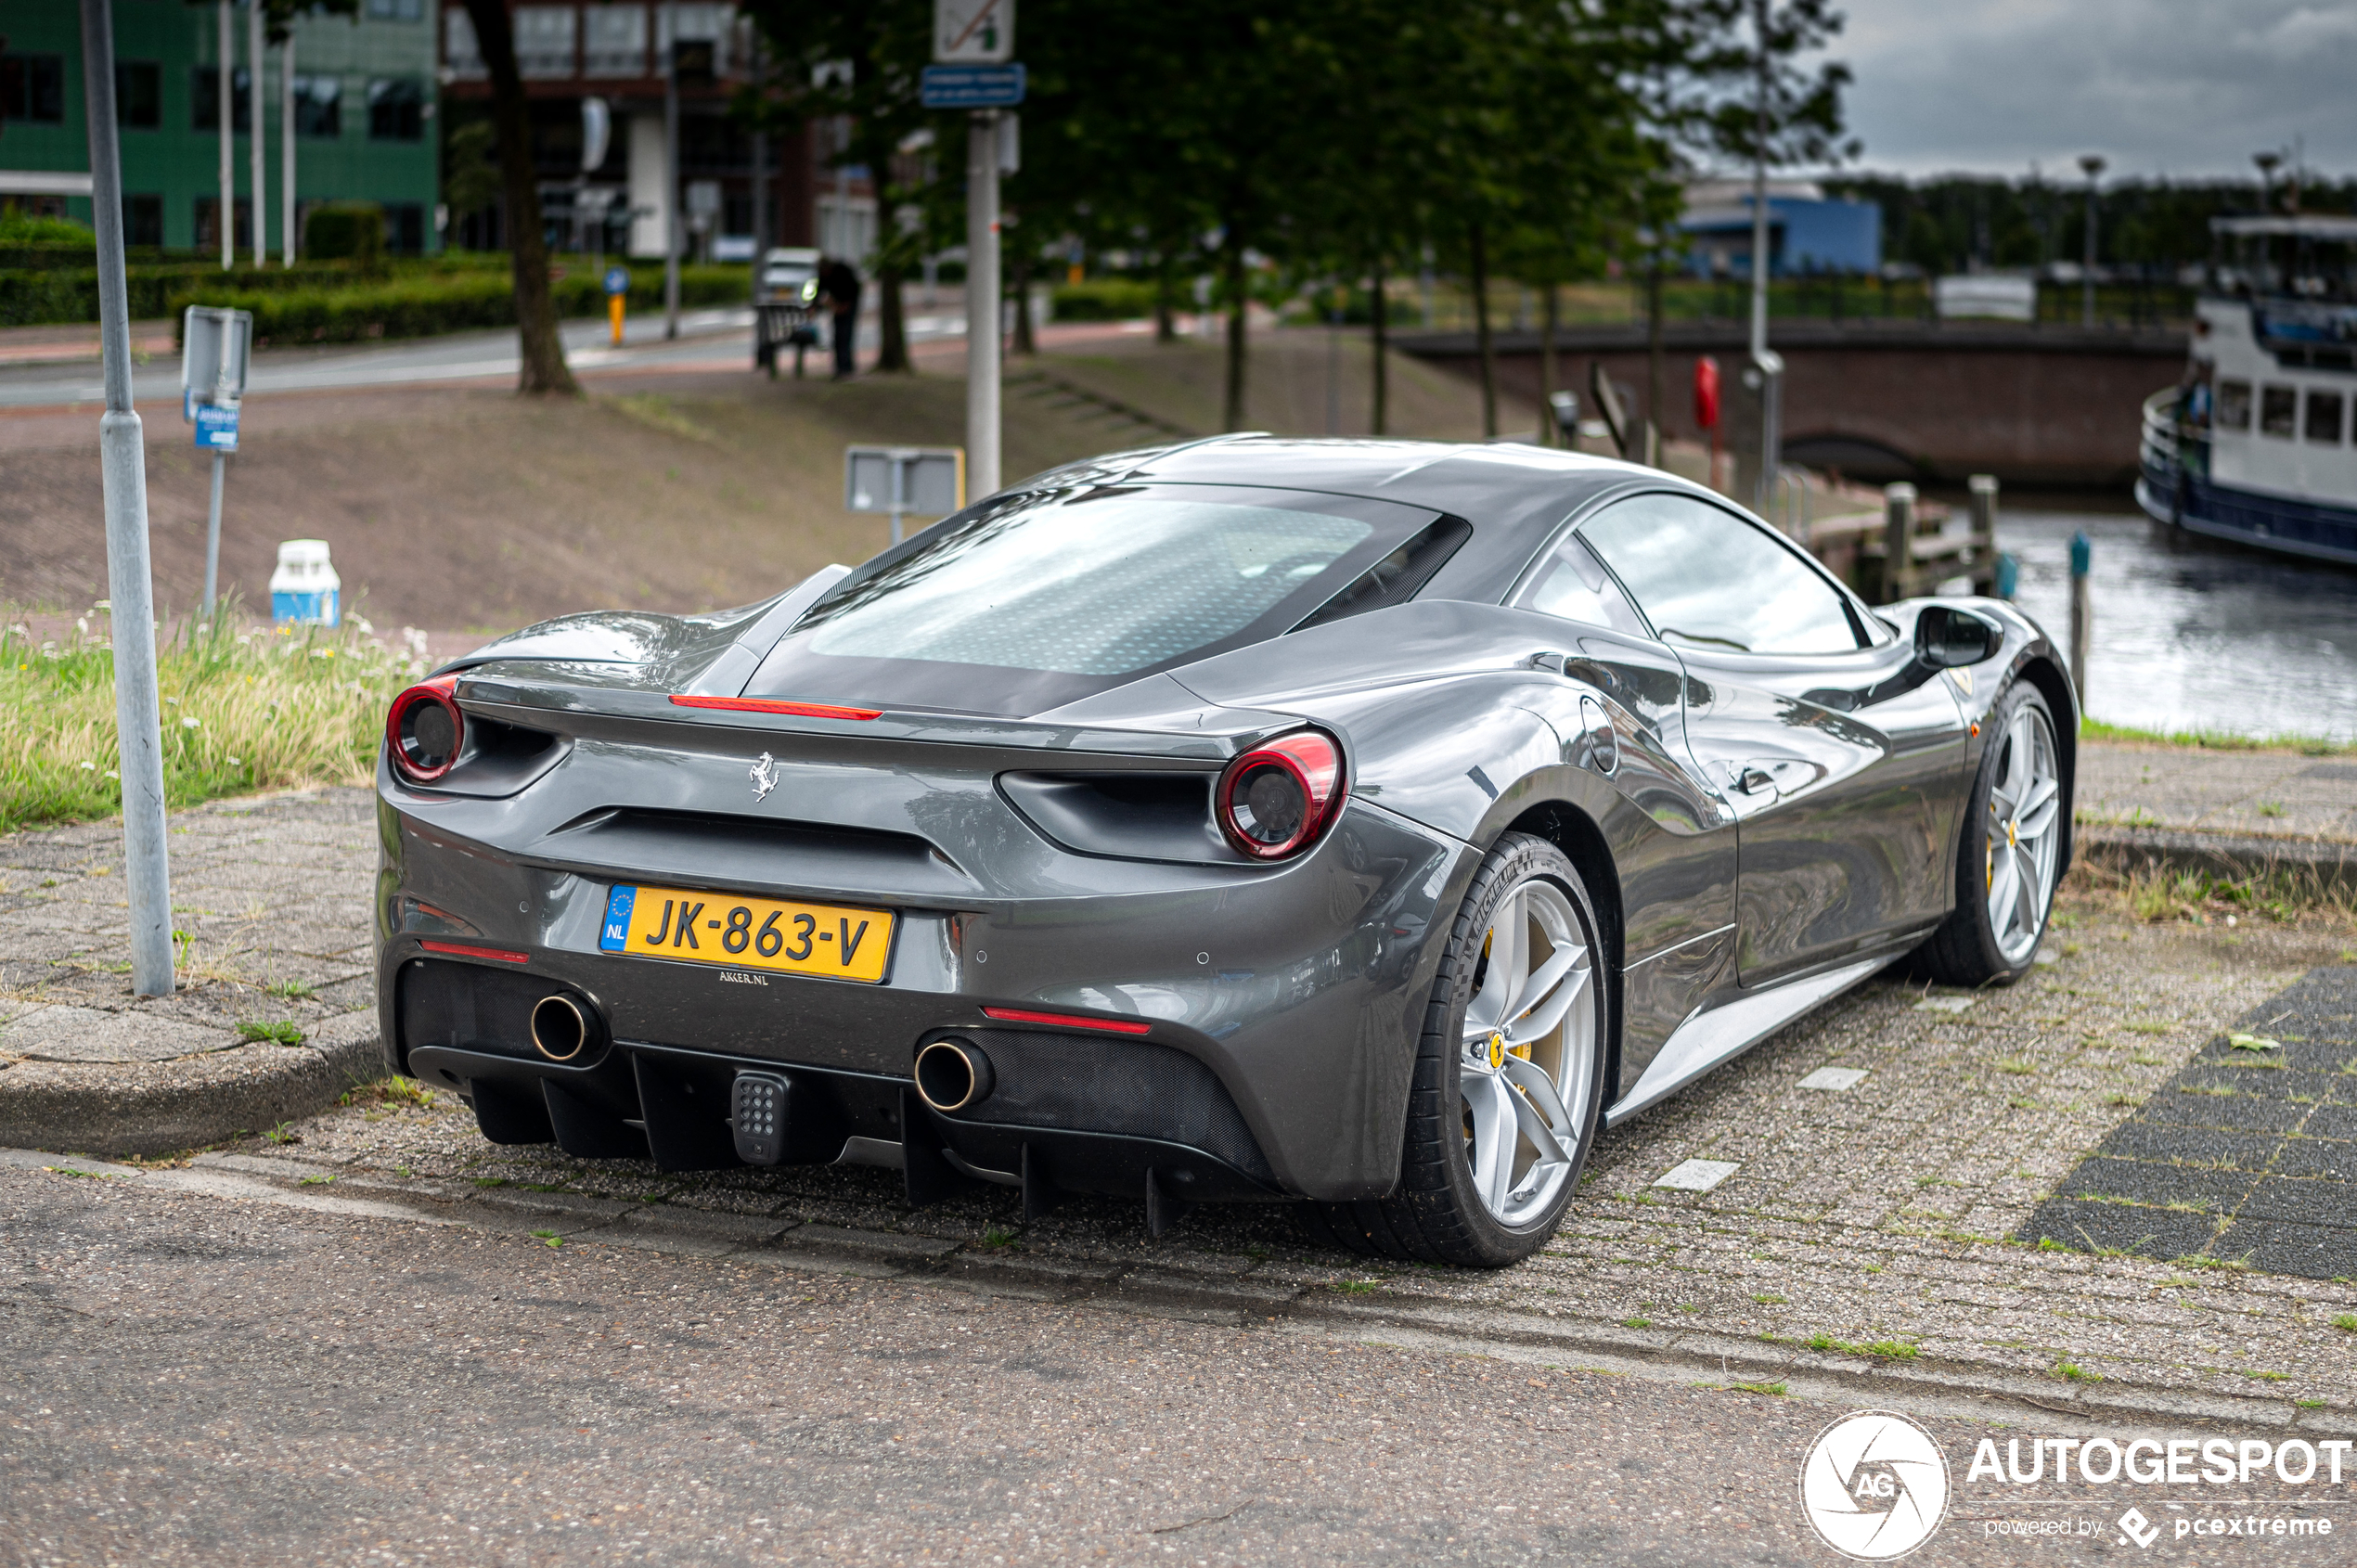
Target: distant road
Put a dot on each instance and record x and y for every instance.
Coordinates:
(709, 339)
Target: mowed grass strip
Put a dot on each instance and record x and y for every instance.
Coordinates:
(244, 708)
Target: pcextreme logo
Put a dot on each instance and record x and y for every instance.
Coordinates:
(1875, 1486)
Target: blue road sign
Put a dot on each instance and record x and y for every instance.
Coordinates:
(972, 87)
(617, 280)
(216, 427)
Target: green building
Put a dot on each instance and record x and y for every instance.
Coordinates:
(364, 99)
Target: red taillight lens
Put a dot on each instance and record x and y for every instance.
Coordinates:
(424, 730)
(1275, 801)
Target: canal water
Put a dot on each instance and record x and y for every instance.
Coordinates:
(2194, 634)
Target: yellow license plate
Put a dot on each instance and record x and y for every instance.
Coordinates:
(757, 933)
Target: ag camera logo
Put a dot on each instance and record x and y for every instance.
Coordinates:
(1875, 1486)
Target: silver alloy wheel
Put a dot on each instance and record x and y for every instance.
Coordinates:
(2024, 833)
(1530, 1036)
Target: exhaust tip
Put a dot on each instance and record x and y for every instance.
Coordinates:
(953, 1074)
(560, 1029)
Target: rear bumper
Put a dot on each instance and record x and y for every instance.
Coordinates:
(1297, 997)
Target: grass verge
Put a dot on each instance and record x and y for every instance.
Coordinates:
(2212, 740)
(243, 710)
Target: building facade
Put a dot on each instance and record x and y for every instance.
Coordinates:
(1806, 231)
(611, 53)
(365, 113)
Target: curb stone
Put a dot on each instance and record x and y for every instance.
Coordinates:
(2230, 855)
(1694, 1357)
(163, 1106)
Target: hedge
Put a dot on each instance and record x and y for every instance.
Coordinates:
(1102, 298)
(38, 295)
(423, 306)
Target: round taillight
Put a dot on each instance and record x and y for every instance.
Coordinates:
(1274, 801)
(424, 729)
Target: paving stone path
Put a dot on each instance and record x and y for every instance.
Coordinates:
(1887, 1154)
(2248, 1153)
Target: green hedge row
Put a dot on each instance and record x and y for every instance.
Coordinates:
(1102, 298)
(423, 306)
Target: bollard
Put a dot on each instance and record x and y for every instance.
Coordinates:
(1984, 506)
(1897, 541)
(2082, 613)
(305, 589)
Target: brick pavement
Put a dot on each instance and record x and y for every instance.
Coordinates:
(1865, 1228)
(2272, 795)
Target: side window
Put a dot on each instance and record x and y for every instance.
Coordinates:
(2278, 410)
(1707, 579)
(1574, 584)
(2233, 402)
(2322, 424)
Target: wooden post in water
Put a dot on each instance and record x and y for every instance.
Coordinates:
(1984, 531)
(2083, 615)
(1898, 541)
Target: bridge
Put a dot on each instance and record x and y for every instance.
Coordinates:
(1881, 400)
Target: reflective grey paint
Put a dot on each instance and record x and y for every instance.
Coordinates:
(1303, 985)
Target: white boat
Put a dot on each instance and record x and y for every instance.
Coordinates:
(2254, 443)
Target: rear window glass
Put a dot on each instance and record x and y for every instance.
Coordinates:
(1052, 597)
(1095, 589)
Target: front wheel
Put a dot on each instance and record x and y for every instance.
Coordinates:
(2009, 854)
(1509, 1077)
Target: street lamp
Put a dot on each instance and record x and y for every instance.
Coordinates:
(2093, 167)
(2268, 162)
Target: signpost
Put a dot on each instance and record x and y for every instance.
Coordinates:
(923, 481)
(122, 469)
(972, 87)
(215, 345)
(974, 42)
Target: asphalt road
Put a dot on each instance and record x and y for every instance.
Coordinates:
(708, 340)
(188, 1379)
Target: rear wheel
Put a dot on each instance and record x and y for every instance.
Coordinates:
(1509, 1077)
(2010, 852)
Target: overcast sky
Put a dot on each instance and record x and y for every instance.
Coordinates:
(2177, 87)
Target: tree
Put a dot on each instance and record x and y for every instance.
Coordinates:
(543, 367)
(858, 61)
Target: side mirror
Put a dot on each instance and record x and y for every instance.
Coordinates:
(1949, 639)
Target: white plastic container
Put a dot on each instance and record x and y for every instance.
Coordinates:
(305, 589)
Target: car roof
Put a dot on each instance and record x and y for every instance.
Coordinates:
(1515, 495)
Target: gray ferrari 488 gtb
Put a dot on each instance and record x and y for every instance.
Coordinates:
(1360, 824)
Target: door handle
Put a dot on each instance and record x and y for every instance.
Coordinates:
(1752, 779)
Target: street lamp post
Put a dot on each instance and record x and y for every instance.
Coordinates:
(671, 171)
(256, 143)
(983, 346)
(2093, 168)
(1759, 191)
(123, 468)
(225, 101)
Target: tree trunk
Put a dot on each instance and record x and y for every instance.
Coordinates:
(1019, 275)
(1166, 301)
(542, 352)
(892, 330)
(1478, 252)
(1547, 435)
(1233, 418)
(1380, 326)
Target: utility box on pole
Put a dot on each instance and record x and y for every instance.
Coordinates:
(972, 42)
(904, 481)
(1754, 418)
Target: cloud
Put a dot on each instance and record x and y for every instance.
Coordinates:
(2177, 87)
